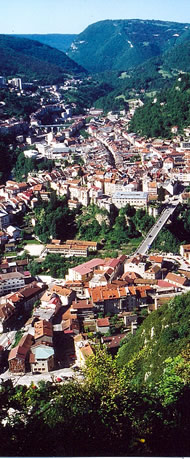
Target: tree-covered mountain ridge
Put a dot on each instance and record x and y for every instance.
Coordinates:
(168, 108)
(124, 44)
(160, 345)
(31, 60)
(55, 40)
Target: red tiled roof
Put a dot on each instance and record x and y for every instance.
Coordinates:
(82, 304)
(164, 284)
(88, 266)
(113, 341)
(103, 322)
(107, 292)
(176, 278)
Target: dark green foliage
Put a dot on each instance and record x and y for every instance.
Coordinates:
(178, 231)
(25, 165)
(21, 106)
(54, 220)
(56, 265)
(110, 102)
(115, 229)
(123, 44)
(7, 157)
(33, 60)
(86, 94)
(161, 194)
(171, 108)
(163, 334)
(34, 267)
(104, 416)
(166, 241)
(18, 337)
(55, 40)
(178, 56)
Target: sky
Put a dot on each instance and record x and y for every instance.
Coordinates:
(73, 16)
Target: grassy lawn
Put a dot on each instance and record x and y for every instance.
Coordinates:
(121, 97)
(132, 245)
(151, 94)
(125, 249)
(30, 241)
(165, 74)
(124, 75)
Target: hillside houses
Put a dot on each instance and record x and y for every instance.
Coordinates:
(74, 312)
(109, 168)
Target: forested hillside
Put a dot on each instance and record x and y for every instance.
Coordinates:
(153, 75)
(169, 108)
(136, 405)
(158, 345)
(123, 44)
(32, 60)
(55, 40)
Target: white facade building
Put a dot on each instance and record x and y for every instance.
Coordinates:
(136, 199)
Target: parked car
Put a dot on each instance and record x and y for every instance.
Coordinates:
(75, 368)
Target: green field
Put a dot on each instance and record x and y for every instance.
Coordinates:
(151, 94)
(124, 75)
(165, 74)
(129, 249)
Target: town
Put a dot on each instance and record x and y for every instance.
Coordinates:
(49, 325)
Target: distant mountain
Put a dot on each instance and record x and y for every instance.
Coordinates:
(124, 44)
(55, 40)
(33, 60)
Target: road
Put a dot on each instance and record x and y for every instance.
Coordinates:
(146, 244)
(29, 378)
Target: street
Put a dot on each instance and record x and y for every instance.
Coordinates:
(146, 244)
(29, 378)
(7, 339)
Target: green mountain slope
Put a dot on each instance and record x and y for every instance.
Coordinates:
(164, 334)
(55, 40)
(157, 73)
(123, 44)
(171, 107)
(33, 60)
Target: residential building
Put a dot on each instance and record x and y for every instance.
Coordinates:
(185, 251)
(137, 199)
(7, 315)
(84, 272)
(19, 356)
(68, 250)
(11, 282)
(176, 279)
(43, 332)
(83, 350)
(41, 358)
(103, 325)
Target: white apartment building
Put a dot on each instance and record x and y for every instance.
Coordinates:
(11, 282)
(136, 199)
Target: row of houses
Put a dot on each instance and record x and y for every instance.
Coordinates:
(34, 352)
(84, 302)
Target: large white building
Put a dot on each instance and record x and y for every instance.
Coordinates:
(11, 282)
(136, 199)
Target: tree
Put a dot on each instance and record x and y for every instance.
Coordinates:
(161, 194)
